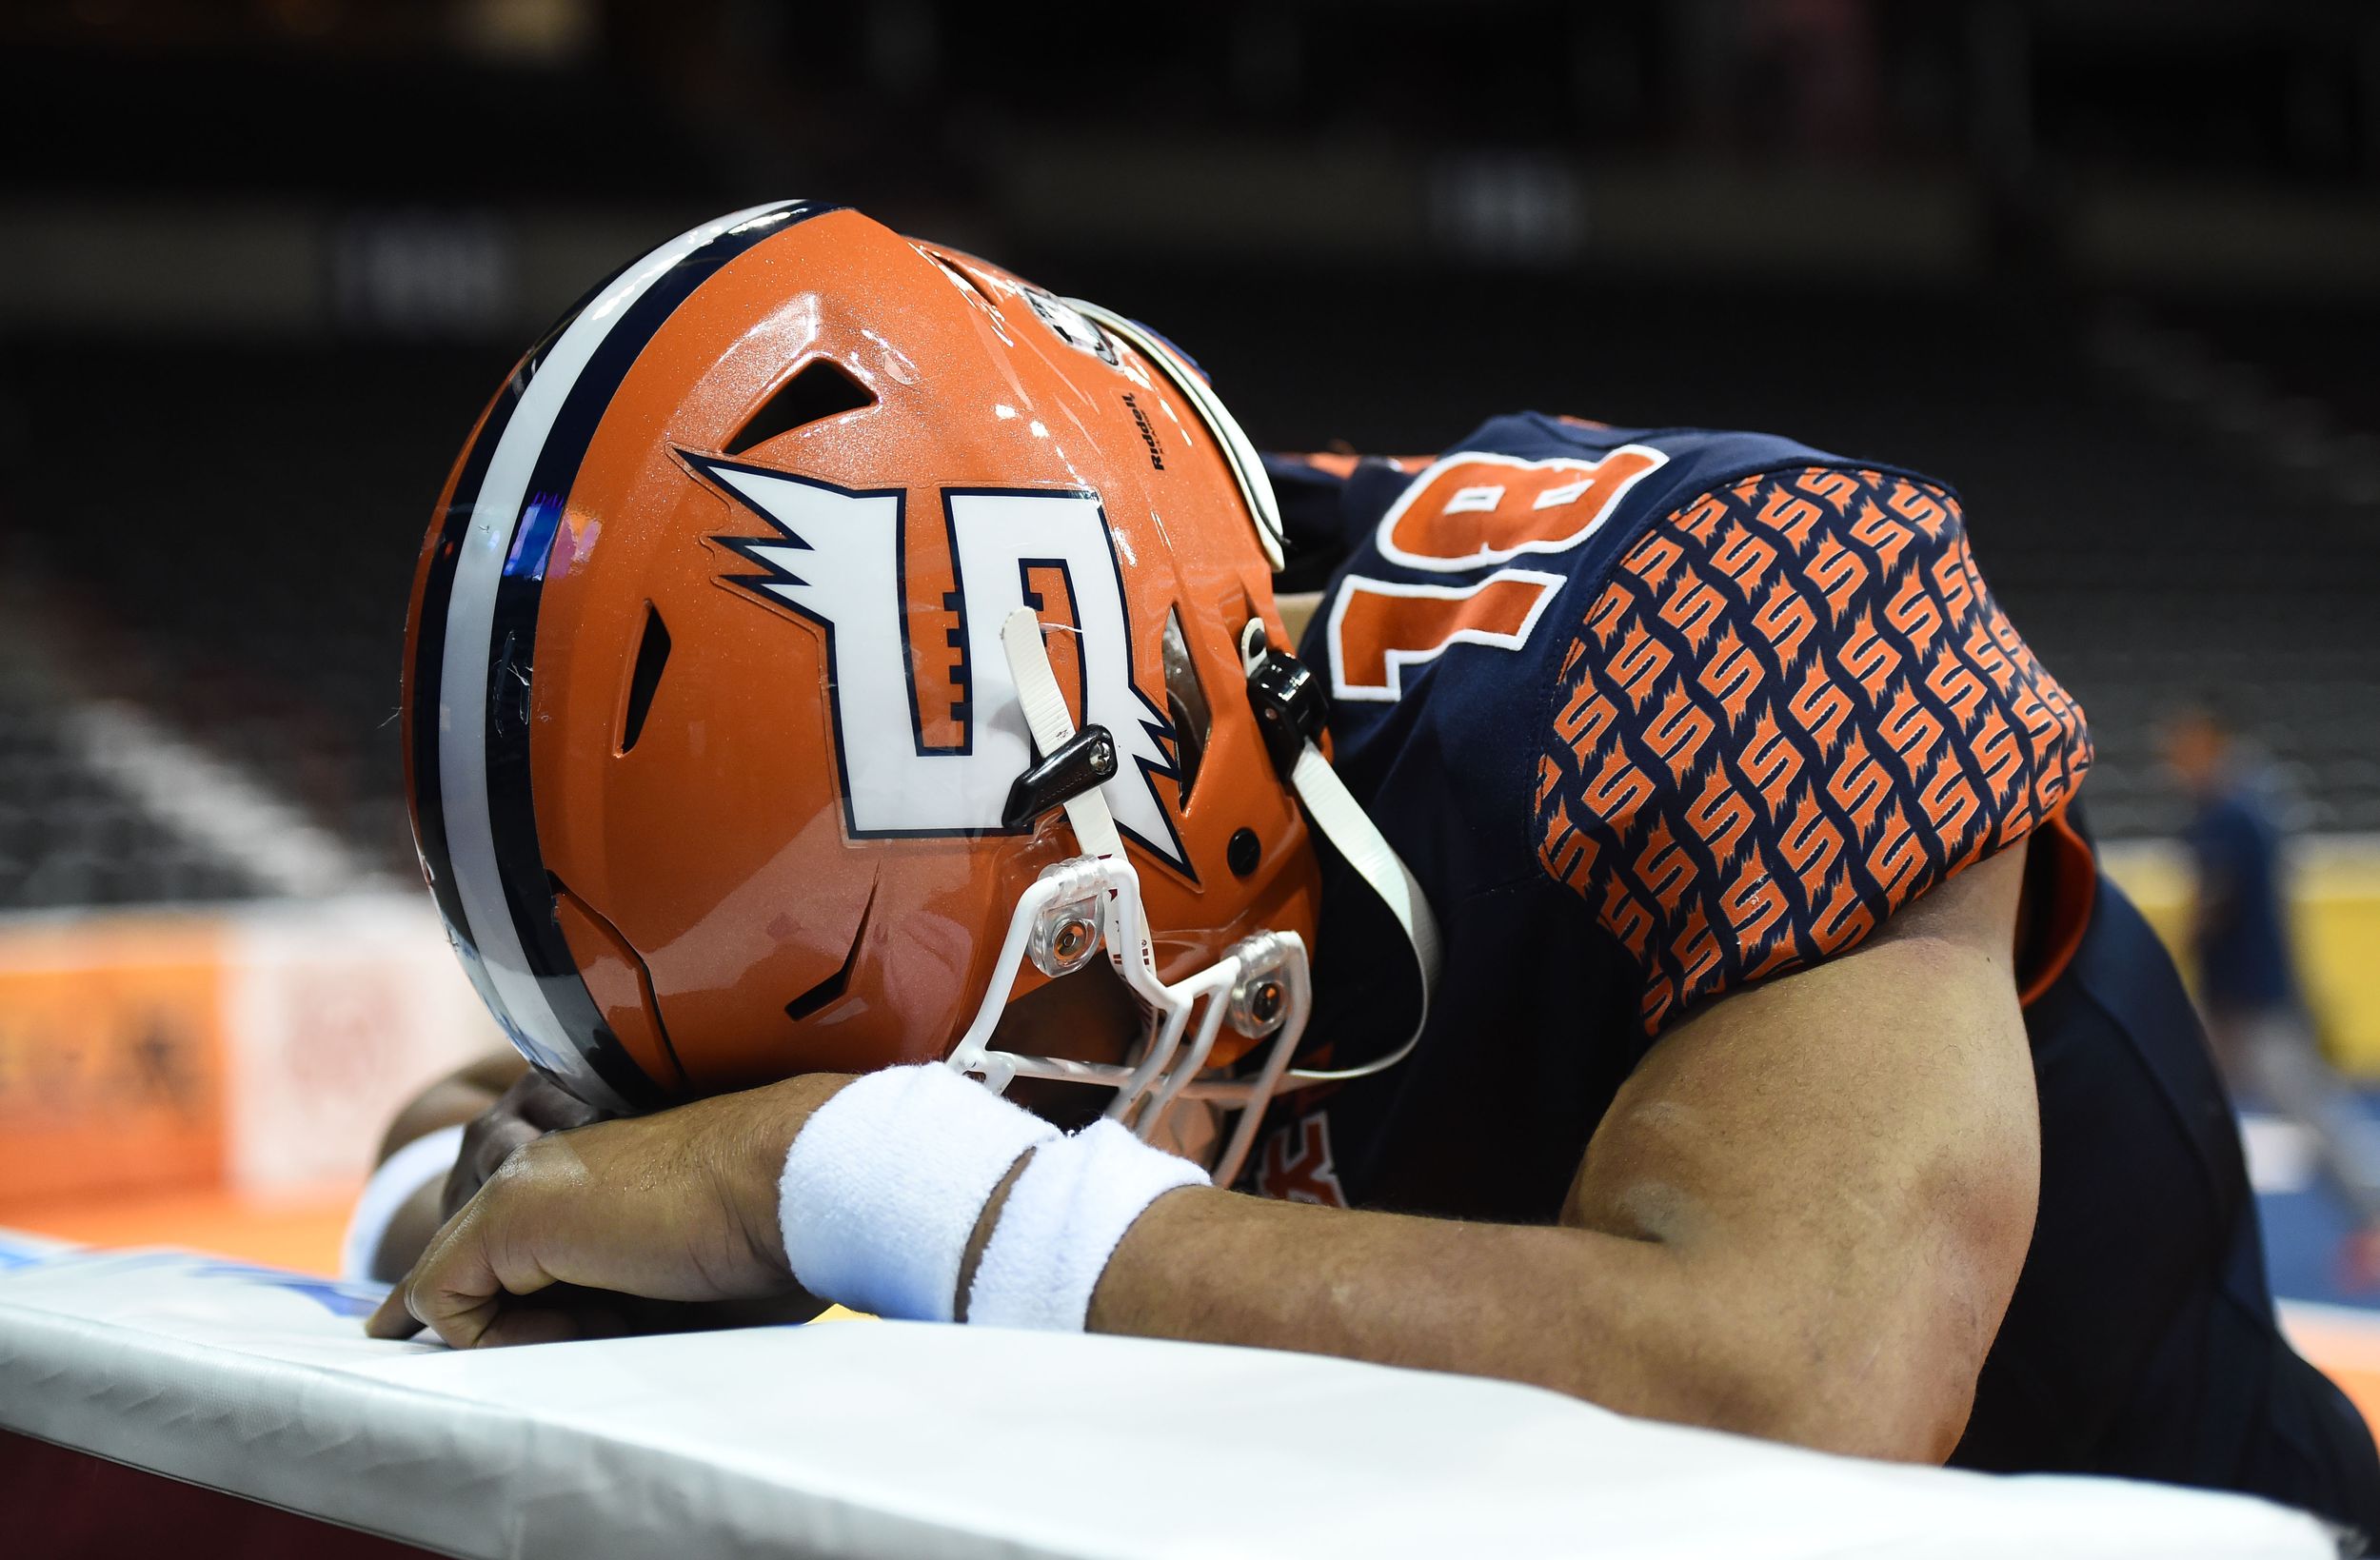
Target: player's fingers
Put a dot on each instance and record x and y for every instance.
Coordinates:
(532, 1324)
(487, 1143)
(458, 1309)
(498, 1142)
(548, 1107)
(392, 1320)
(394, 1317)
(475, 1265)
(580, 1315)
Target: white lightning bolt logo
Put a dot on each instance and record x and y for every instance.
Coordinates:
(836, 560)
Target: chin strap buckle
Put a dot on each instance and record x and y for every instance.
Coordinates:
(1291, 707)
(1083, 763)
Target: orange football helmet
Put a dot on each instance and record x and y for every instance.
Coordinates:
(824, 641)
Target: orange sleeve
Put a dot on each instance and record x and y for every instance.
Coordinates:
(1794, 708)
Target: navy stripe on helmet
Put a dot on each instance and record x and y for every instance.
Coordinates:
(429, 807)
(428, 798)
(529, 533)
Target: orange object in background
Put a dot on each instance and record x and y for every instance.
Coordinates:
(298, 1229)
(111, 1057)
(2345, 1346)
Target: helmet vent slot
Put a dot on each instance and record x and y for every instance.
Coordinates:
(826, 991)
(820, 390)
(1186, 706)
(965, 280)
(652, 654)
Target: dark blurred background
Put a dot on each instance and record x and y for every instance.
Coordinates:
(2110, 267)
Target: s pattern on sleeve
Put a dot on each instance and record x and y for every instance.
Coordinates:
(1794, 708)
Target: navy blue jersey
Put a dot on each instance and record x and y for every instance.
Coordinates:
(1656, 714)
(1651, 714)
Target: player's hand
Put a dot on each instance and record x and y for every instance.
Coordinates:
(677, 1205)
(533, 1106)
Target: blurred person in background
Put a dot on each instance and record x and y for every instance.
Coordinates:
(2242, 946)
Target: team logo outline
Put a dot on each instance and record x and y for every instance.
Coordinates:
(1149, 757)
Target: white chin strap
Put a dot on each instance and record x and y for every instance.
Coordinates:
(1261, 985)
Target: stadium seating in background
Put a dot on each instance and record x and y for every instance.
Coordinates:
(70, 839)
(244, 576)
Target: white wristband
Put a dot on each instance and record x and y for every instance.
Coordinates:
(425, 1160)
(885, 1181)
(1062, 1222)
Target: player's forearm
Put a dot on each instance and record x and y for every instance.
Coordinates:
(387, 1237)
(452, 1100)
(1802, 1219)
(1634, 1325)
